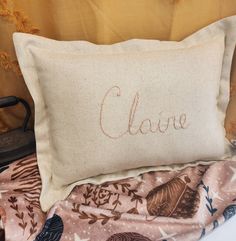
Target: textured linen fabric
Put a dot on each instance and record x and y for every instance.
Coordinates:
(101, 21)
(149, 102)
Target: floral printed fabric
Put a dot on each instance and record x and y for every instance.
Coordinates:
(176, 205)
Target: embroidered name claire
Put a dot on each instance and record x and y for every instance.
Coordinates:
(146, 126)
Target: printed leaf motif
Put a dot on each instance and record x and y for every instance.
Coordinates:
(214, 210)
(83, 215)
(18, 214)
(32, 221)
(206, 188)
(92, 218)
(203, 233)
(23, 225)
(209, 200)
(99, 195)
(209, 208)
(116, 202)
(105, 220)
(133, 211)
(92, 221)
(117, 215)
(215, 224)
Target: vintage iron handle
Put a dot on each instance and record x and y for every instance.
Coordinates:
(13, 100)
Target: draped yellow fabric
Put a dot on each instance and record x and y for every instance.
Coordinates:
(102, 22)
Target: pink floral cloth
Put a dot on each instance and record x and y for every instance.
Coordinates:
(170, 205)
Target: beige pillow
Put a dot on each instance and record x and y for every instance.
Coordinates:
(102, 109)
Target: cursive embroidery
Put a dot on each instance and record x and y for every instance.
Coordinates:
(176, 122)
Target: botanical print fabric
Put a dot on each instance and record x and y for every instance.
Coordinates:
(170, 205)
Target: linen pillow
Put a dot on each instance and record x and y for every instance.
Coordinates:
(102, 109)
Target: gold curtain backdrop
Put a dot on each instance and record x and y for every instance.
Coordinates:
(101, 22)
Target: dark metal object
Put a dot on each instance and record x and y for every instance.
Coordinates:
(16, 143)
(2, 235)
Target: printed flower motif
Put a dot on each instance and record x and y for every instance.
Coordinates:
(22, 24)
(8, 64)
(3, 55)
(12, 199)
(100, 196)
(4, 11)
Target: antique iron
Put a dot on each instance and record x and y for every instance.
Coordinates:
(19, 142)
